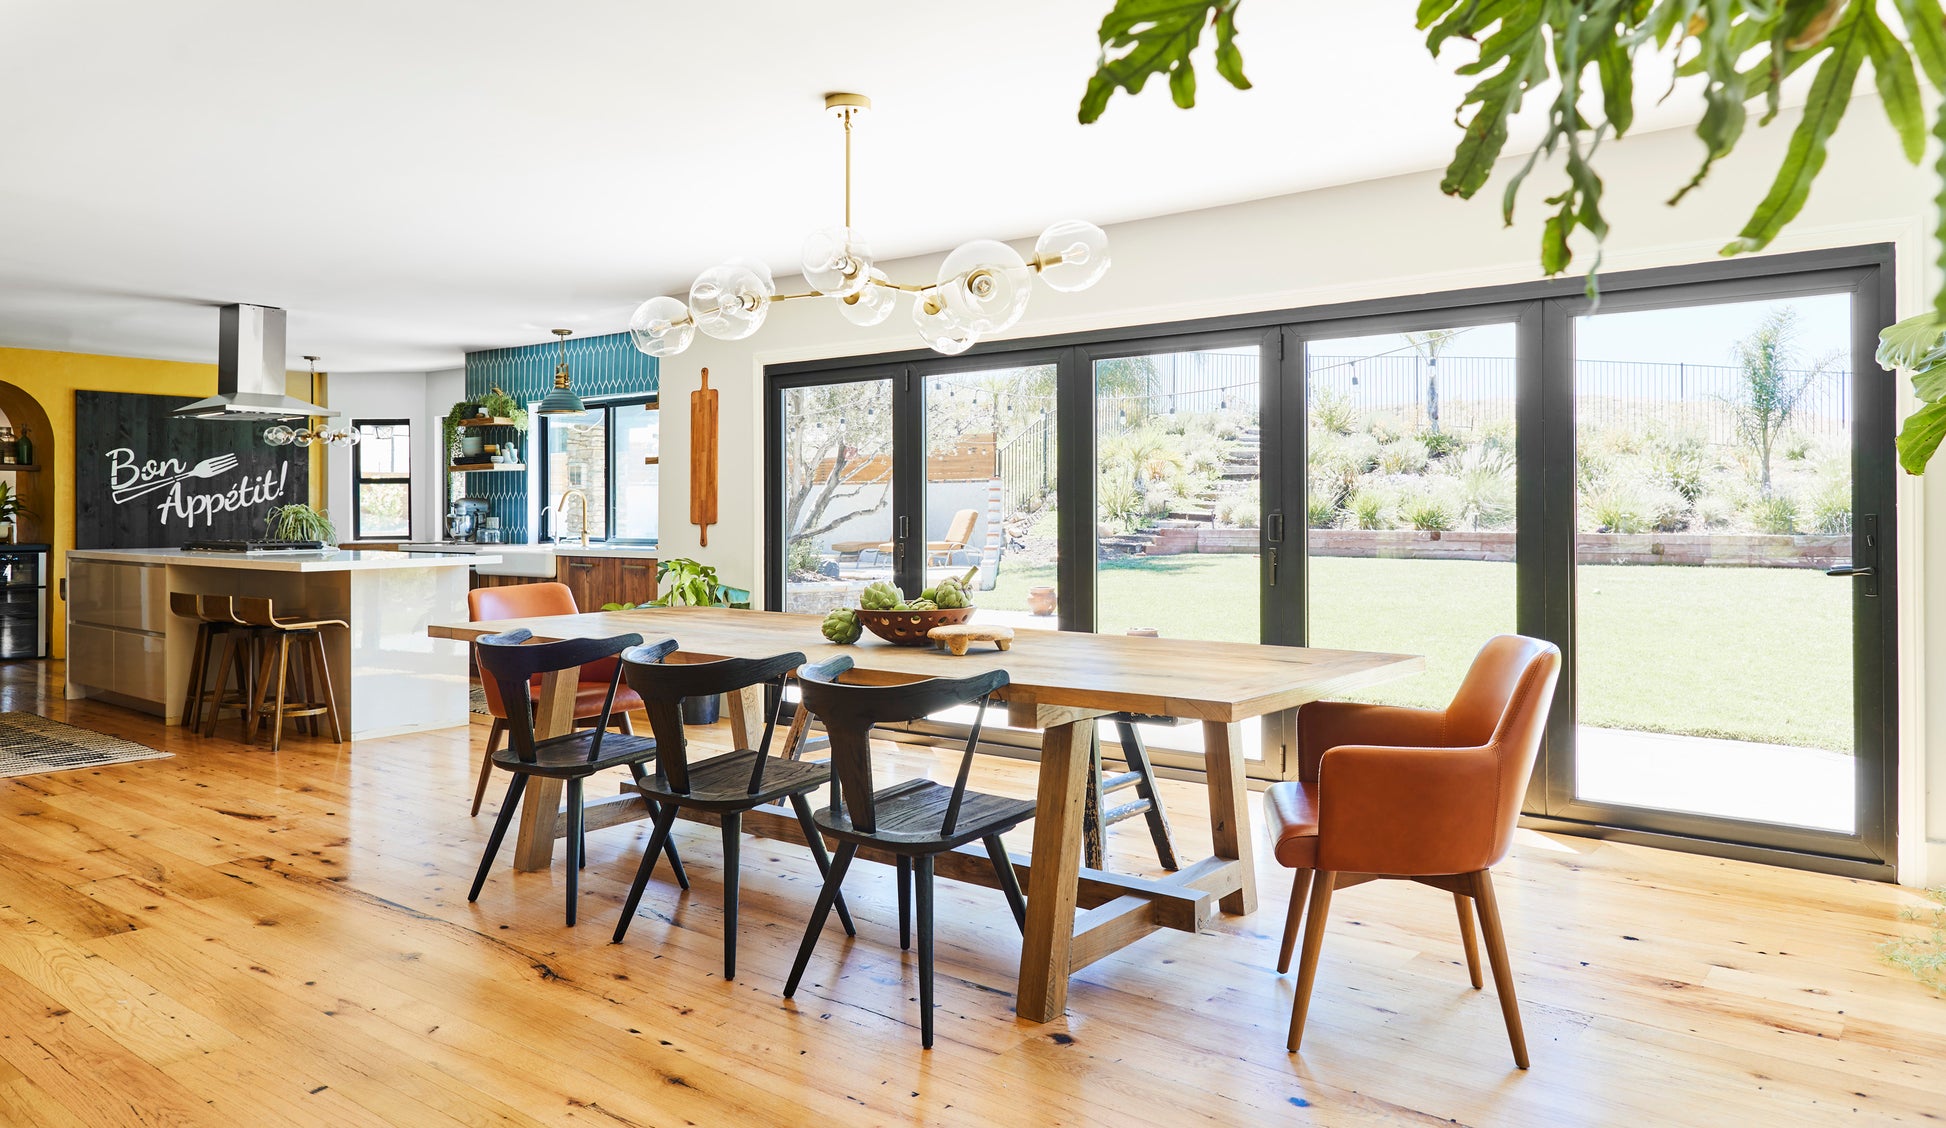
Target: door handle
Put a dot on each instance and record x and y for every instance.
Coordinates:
(1848, 570)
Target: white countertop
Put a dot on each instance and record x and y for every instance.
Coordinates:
(353, 561)
(558, 548)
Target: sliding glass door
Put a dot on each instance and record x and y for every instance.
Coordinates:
(1687, 487)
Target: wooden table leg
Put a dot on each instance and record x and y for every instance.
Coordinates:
(1229, 809)
(1048, 939)
(540, 807)
(746, 709)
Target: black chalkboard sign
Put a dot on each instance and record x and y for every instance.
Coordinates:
(144, 480)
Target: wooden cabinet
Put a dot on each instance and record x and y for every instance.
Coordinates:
(596, 580)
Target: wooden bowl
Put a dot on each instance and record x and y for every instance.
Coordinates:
(908, 628)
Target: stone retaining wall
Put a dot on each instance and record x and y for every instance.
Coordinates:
(1728, 549)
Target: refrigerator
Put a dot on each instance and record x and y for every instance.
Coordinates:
(23, 601)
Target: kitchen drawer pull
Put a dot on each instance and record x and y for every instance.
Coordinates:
(577, 564)
(636, 567)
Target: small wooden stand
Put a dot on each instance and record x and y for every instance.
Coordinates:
(955, 639)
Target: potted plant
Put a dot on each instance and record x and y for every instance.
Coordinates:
(689, 583)
(297, 522)
(495, 404)
(10, 510)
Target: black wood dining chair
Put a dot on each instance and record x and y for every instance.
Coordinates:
(725, 785)
(512, 661)
(917, 820)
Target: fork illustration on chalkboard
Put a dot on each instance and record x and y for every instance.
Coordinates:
(207, 468)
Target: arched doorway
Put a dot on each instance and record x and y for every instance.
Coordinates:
(36, 486)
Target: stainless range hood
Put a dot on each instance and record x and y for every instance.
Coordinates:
(250, 371)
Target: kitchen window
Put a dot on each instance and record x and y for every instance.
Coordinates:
(381, 480)
(608, 453)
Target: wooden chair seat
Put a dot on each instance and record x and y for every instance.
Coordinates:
(911, 813)
(565, 757)
(722, 783)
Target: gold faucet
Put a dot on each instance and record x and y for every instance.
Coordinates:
(561, 512)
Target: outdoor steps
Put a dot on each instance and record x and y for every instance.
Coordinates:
(1126, 544)
(1184, 519)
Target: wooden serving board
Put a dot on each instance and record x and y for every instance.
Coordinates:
(702, 457)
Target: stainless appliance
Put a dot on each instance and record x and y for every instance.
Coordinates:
(250, 371)
(23, 601)
(464, 517)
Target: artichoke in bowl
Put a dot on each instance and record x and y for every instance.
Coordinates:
(841, 626)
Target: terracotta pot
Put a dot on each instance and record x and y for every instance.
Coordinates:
(1041, 600)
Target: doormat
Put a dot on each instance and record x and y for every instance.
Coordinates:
(31, 744)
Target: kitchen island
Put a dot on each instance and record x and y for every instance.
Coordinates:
(126, 648)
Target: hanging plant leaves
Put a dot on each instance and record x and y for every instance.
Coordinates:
(1157, 37)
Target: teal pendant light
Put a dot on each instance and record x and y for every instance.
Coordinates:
(562, 400)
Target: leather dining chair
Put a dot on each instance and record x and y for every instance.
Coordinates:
(1426, 795)
(527, 601)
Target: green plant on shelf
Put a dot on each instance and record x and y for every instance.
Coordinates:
(10, 508)
(298, 522)
(499, 405)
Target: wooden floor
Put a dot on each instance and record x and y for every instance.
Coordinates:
(229, 937)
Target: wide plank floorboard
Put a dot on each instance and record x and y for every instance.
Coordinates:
(234, 937)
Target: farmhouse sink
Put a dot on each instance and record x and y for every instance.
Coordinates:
(531, 560)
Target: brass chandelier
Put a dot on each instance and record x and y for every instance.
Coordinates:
(982, 287)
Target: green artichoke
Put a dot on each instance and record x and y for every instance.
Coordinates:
(929, 593)
(951, 595)
(879, 596)
(923, 605)
(842, 626)
(902, 605)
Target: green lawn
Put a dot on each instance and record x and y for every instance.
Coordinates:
(1748, 653)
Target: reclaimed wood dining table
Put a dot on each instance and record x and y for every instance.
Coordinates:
(1059, 682)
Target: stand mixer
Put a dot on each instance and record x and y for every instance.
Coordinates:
(464, 517)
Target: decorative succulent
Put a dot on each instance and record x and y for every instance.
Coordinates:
(297, 522)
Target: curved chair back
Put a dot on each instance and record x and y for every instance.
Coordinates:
(1508, 691)
(185, 604)
(848, 713)
(512, 661)
(218, 609)
(663, 685)
(521, 601)
(254, 610)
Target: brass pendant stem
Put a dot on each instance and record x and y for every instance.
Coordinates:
(848, 170)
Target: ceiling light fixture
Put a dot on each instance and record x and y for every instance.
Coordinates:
(982, 287)
(281, 435)
(562, 400)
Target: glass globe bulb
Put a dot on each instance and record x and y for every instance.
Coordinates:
(351, 436)
(870, 305)
(277, 435)
(662, 326)
(938, 327)
(730, 302)
(1074, 253)
(303, 438)
(836, 262)
(985, 284)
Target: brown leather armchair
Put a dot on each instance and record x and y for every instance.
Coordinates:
(1428, 795)
(528, 601)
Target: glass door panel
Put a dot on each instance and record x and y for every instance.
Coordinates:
(637, 473)
(1179, 488)
(1410, 499)
(837, 503)
(1713, 483)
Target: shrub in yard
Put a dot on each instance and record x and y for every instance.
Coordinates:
(1680, 462)
(1429, 511)
(1403, 456)
(1370, 510)
(1333, 413)
(1798, 446)
(1240, 510)
(1439, 444)
(1485, 479)
(1385, 429)
(802, 557)
(1121, 504)
(1361, 451)
(1714, 511)
(1320, 510)
(1829, 506)
(1776, 514)
(1618, 506)
(1668, 510)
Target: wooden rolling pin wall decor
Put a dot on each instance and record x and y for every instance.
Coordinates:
(702, 457)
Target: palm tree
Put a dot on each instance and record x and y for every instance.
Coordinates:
(1775, 377)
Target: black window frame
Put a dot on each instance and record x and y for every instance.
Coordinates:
(1539, 311)
(358, 479)
(545, 526)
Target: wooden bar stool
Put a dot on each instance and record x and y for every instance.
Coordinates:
(187, 605)
(235, 664)
(293, 654)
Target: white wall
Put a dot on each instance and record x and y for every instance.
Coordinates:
(422, 398)
(1401, 236)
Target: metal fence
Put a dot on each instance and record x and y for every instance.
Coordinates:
(1025, 463)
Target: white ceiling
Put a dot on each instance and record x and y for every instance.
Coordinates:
(417, 178)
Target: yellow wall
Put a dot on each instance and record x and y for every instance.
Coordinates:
(52, 378)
